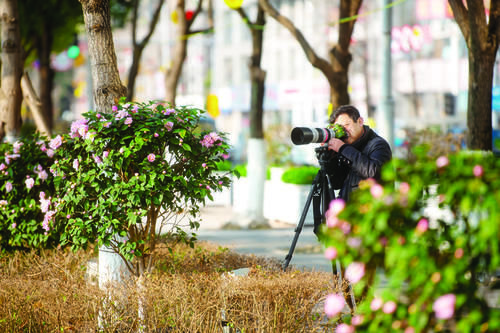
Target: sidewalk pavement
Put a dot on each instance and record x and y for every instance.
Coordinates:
(274, 242)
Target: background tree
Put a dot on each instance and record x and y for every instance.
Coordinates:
(48, 27)
(138, 47)
(482, 35)
(256, 145)
(11, 71)
(105, 77)
(336, 68)
(185, 20)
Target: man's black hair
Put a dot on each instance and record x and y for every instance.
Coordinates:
(349, 110)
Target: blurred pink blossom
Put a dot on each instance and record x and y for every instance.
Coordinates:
(357, 320)
(377, 191)
(8, 187)
(151, 157)
(331, 253)
(404, 188)
(376, 304)
(389, 307)
(422, 226)
(334, 303)
(344, 328)
(336, 206)
(355, 271)
(409, 329)
(478, 170)
(459, 253)
(444, 306)
(442, 161)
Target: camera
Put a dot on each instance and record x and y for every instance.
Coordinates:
(305, 135)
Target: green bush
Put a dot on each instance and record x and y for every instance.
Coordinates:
(432, 260)
(26, 186)
(118, 179)
(300, 175)
(241, 170)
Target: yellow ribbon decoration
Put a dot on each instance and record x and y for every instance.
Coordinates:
(213, 106)
(234, 4)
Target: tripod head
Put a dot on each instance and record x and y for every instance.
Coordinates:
(323, 154)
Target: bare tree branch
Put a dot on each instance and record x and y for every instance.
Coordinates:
(315, 60)
(460, 13)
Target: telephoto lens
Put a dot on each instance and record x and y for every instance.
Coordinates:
(306, 135)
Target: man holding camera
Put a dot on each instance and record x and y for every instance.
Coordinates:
(359, 156)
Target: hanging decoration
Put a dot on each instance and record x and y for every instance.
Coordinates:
(234, 4)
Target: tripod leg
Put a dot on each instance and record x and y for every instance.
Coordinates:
(298, 229)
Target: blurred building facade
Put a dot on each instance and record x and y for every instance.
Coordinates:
(430, 71)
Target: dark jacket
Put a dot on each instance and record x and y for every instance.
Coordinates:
(361, 160)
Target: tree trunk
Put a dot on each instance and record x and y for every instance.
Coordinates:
(139, 47)
(108, 88)
(35, 106)
(481, 66)
(174, 72)
(257, 78)
(44, 50)
(482, 36)
(10, 99)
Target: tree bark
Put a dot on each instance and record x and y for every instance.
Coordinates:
(336, 69)
(44, 50)
(138, 47)
(482, 36)
(107, 85)
(11, 98)
(179, 55)
(35, 106)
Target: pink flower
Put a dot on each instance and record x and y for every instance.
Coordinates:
(444, 306)
(336, 206)
(105, 154)
(114, 108)
(332, 221)
(8, 187)
(459, 253)
(79, 128)
(55, 142)
(344, 328)
(43, 175)
(376, 304)
(14, 225)
(355, 271)
(404, 188)
(151, 157)
(357, 320)
(422, 226)
(76, 164)
(478, 171)
(156, 135)
(3, 167)
(376, 191)
(334, 303)
(442, 161)
(389, 307)
(169, 125)
(30, 182)
(128, 121)
(331, 253)
(409, 329)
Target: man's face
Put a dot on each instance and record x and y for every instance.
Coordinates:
(354, 128)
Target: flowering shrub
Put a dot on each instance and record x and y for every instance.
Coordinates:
(25, 188)
(432, 231)
(123, 177)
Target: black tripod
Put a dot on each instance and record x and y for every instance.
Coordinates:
(321, 194)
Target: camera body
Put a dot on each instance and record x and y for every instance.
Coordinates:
(305, 135)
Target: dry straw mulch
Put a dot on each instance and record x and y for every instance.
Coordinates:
(190, 290)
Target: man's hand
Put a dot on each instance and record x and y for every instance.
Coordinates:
(335, 144)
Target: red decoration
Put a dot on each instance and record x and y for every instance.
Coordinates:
(189, 15)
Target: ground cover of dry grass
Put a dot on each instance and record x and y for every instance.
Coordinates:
(190, 290)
